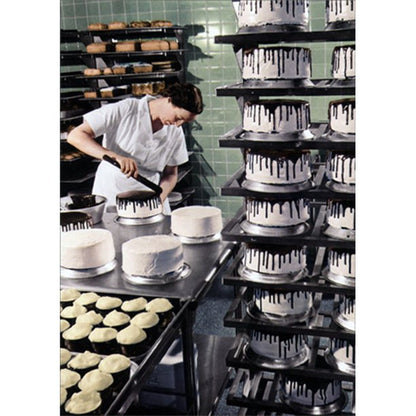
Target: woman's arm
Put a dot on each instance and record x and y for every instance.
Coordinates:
(168, 181)
(83, 138)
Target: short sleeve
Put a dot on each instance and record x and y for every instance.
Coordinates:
(179, 154)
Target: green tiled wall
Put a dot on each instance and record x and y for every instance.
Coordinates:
(210, 65)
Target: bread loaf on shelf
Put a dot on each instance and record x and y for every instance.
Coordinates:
(161, 23)
(97, 26)
(91, 72)
(142, 67)
(118, 70)
(173, 45)
(141, 23)
(117, 25)
(127, 46)
(107, 71)
(150, 45)
(100, 47)
(90, 94)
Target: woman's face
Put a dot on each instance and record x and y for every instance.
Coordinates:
(176, 116)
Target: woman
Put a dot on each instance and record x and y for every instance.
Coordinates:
(144, 136)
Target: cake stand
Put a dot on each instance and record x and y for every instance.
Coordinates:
(273, 28)
(139, 221)
(272, 188)
(258, 277)
(340, 187)
(342, 321)
(262, 230)
(254, 312)
(340, 365)
(326, 409)
(340, 233)
(277, 364)
(294, 136)
(159, 279)
(198, 240)
(278, 83)
(86, 273)
(338, 278)
(336, 136)
(347, 82)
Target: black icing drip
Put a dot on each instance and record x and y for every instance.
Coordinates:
(283, 162)
(347, 108)
(341, 256)
(338, 209)
(75, 221)
(346, 305)
(288, 5)
(254, 206)
(272, 257)
(279, 56)
(277, 298)
(349, 346)
(345, 52)
(138, 199)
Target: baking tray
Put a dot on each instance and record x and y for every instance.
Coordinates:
(161, 279)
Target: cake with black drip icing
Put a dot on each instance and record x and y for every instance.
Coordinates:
(276, 116)
(343, 62)
(272, 259)
(277, 63)
(342, 262)
(339, 13)
(138, 204)
(277, 213)
(293, 13)
(278, 167)
(340, 167)
(341, 114)
(341, 214)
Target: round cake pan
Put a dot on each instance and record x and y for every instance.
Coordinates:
(338, 364)
(139, 221)
(274, 364)
(86, 273)
(278, 137)
(254, 312)
(258, 277)
(198, 240)
(183, 272)
(96, 211)
(269, 188)
(327, 409)
(340, 187)
(337, 278)
(339, 233)
(260, 230)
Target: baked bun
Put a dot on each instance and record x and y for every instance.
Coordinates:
(90, 72)
(161, 23)
(119, 70)
(117, 25)
(97, 26)
(107, 71)
(126, 46)
(173, 45)
(90, 94)
(100, 47)
(142, 23)
(142, 67)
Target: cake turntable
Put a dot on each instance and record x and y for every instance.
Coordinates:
(161, 279)
(278, 83)
(272, 188)
(346, 302)
(275, 364)
(277, 137)
(258, 277)
(339, 233)
(327, 409)
(340, 25)
(341, 365)
(139, 221)
(336, 136)
(262, 230)
(254, 312)
(87, 273)
(198, 240)
(348, 82)
(337, 278)
(270, 28)
(340, 187)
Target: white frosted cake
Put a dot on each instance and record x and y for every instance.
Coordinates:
(152, 255)
(277, 63)
(342, 262)
(338, 11)
(196, 221)
(270, 213)
(282, 304)
(138, 204)
(276, 116)
(341, 115)
(341, 214)
(85, 249)
(310, 392)
(346, 311)
(340, 167)
(274, 259)
(343, 62)
(273, 12)
(278, 167)
(276, 347)
(343, 351)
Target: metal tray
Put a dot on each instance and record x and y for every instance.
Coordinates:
(270, 278)
(270, 188)
(198, 240)
(183, 272)
(274, 231)
(139, 221)
(86, 273)
(277, 137)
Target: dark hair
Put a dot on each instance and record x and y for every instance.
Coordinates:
(186, 96)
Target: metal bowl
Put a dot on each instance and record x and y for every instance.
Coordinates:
(90, 204)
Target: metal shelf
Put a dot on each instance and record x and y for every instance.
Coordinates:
(236, 138)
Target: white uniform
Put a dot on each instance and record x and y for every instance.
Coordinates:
(127, 130)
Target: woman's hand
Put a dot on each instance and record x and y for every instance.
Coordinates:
(128, 166)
